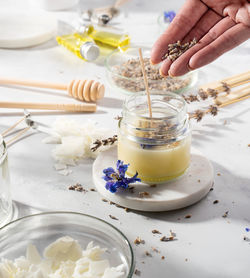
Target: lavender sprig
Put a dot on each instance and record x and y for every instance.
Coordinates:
(98, 143)
(116, 178)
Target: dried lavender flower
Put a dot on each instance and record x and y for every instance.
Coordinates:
(213, 110)
(193, 98)
(98, 143)
(226, 87)
(213, 93)
(175, 50)
(203, 95)
(198, 115)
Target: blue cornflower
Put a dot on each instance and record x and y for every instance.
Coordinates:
(247, 229)
(169, 16)
(116, 179)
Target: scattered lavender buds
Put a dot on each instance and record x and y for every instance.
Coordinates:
(143, 194)
(129, 77)
(175, 50)
(138, 241)
(77, 187)
(113, 217)
(156, 232)
(225, 215)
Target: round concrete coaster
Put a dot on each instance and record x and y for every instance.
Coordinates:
(179, 193)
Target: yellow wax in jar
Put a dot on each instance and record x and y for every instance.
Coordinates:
(156, 163)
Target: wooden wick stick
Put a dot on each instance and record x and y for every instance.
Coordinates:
(145, 82)
(233, 95)
(233, 101)
(19, 134)
(232, 81)
(12, 127)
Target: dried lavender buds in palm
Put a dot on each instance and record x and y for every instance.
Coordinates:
(175, 50)
(129, 76)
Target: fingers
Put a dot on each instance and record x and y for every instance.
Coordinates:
(184, 21)
(227, 41)
(182, 64)
(207, 21)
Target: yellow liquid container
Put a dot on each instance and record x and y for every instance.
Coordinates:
(158, 148)
(82, 46)
(111, 37)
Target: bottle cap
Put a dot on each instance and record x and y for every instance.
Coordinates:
(89, 51)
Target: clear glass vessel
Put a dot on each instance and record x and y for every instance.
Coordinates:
(44, 228)
(158, 148)
(5, 198)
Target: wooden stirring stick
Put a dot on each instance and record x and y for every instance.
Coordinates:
(145, 82)
(233, 101)
(231, 82)
(233, 95)
(83, 107)
(85, 90)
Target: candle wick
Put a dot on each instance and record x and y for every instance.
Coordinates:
(145, 82)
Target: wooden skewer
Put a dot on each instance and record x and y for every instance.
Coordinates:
(233, 101)
(232, 82)
(233, 95)
(84, 90)
(19, 134)
(145, 82)
(83, 107)
(12, 127)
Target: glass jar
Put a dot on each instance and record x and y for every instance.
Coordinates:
(5, 198)
(158, 148)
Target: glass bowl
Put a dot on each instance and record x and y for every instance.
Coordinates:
(121, 77)
(43, 229)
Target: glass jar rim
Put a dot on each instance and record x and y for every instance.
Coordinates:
(170, 125)
(153, 93)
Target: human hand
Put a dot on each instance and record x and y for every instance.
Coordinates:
(217, 25)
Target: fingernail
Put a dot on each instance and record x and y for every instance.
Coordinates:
(152, 63)
(170, 74)
(162, 74)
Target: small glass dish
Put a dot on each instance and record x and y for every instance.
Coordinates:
(44, 228)
(121, 74)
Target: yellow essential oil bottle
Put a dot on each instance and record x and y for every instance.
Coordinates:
(108, 39)
(82, 46)
(111, 37)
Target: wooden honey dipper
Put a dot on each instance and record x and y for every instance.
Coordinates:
(84, 90)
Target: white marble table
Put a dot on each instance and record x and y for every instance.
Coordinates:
(207, 245)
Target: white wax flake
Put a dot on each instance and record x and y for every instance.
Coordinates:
(63, 258)
(32, 254)
(65, 172)
(76, 140)
(60, 166)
